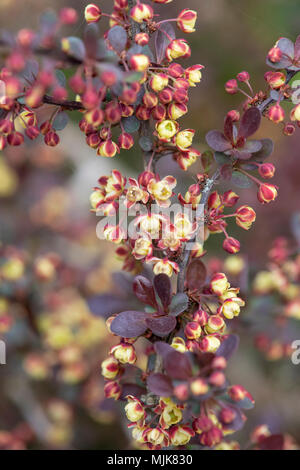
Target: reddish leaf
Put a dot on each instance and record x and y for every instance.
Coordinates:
(162, 41)
(144, 291)
(228, 128)
(117, 37)
(297, 48)
(228, 346)
(129, 324)
(217, 141)
(195, 275)
(161, 326)
(250, 122)
(274, 442)
(160, 384)
(162, 285)
(177, 365)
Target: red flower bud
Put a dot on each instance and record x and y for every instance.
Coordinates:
(113, 112)
(143, 113)
(227, 415)
(94, 117)
(276, 113)
(176, 70)
(93, 140)
(150, 100)
(230, 198)
(231, 245)
(125, 141)
(51, 139)
(141, 12)
(77, 84)
(275, 79)
(45, 127)
(108, 149)
(267, 193)
(181, 95)
(289, 128)
(15, 139)
(217, 379)
(192, 330)
(68, 16)
(139, 62)
(142, 39)
(178, 48)
(201, 317)
(32, 132)
(112, 390)
(275, 54)
(166, 95)
(126, 110)
(231, 86)
(90, 99)
(266, 170)
(159, 113)
(243, 76)
(25, 37)
(6, 126)
(234, 115)
(92, 13)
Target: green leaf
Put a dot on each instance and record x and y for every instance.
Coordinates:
(145, 144)
(221, 158)
(131, 124)
(179, 304)
(207, 160)
(60, 77)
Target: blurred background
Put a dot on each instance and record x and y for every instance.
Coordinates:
(51, 393)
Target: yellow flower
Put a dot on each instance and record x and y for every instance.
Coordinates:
(184, 139)
(166, 129)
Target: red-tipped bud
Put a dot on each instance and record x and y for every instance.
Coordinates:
(267, 193)
(159, 81)
(192, 330)
(266, 170)
(112, 390)
(108, 149)
(125, 141)
(176, 70)
(93, 140)
(217, 379)
(276, 113)
(68, 16)
(77, 84)
(113, 112)
(139, 62)
(234, 115)
(230, 198)
(186, 20)
(231, 86)
(275, 79)
(92, 13)
(159, 113)
(25, 37)
(201, 317)
(51, 139)
(289, 129)
(141, 12)
(150, 100)
(275, 55)
(94, 117)
(181, 95)
(237, 392)
(231, 245)
(178, 48)
(177, 110)
(166, 96)
(227, 415)
(243, 76)
(32, 132)
(90, 99)
(245, 216)
(45, 127)
(15, 139)
(34, 96)
(6, 126)
(143, 113)
(142, 39)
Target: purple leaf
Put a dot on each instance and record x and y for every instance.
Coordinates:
(90, 38)
(117, 37)
(228, 346)
(162, 42)
(238, 421)
(250, 122)
(274, 442)
(161, 326)
(162, 285)
(163, 348)
(177, 365)
(108, 304)
(228, 129)
(195, 275)
(132, 389)
(76, 48)
(297, 48)
(179, 304)
(241, 154)
(160, 385)
(144, 291)
(217, 141)
(265, 151)
(240, 180)
(287, 47)
(253, 146)
(129, 324)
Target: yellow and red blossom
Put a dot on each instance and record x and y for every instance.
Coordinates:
(215, 324)
(170, 412)
(163, 266)
(177, 110)
(112, 389)
(231, 245)
(139, 62)
(110, 368)
(275, 79)
(143, 248)
(170, 240)
(142, 39)
(192, 196)
(134, 410)
(150, 223)
(245, 216)
(124, 353)
(162, 190)
(141, 12)
(276, 113)
(231, 307)
(178, 48)
(199, 387)
(108, 148)
(187, 158)
(230, 198)
(180, 435)
(92, 13)
(166, 129)
(219, 284)
(184, 139)
(178, 344)
(135, 194)
(194, 74)
(157, 437)
(97, 198)
(159, 81)
(209, 343)
(192, 330)
(186, 20)
(267, 193)
(114, 233)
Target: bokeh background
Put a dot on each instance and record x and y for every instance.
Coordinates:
(44, 208)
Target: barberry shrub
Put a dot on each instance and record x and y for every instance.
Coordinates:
(130, 87)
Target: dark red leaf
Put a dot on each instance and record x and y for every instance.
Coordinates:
(297, 48)
(132, 389)
(143, 289)
(161, 326)
(162, 285)
(129, 324)
(177, 365)
(160, 384)
(117, 37)
(195, 275)
(250, 122)
(162, 41)
(217, 141)
(106, 305)
(228, 346)
(228, 129)
(274, 442)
